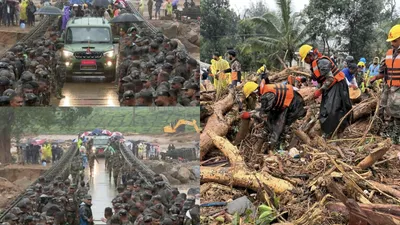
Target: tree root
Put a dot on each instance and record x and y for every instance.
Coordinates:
(239, 174)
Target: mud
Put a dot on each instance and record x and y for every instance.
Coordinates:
(15, 178)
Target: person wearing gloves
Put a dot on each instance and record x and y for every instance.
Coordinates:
(333, 88)
(280, 103)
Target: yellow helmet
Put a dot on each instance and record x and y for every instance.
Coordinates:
(360, 64)
(249, 87)
(304, 50)
(394, 33)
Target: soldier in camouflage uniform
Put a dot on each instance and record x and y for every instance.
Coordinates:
(107, 156)
(91, 157)
(60, 71)
(72, 205)
(82, 191)
(117, 162)
(76, 167)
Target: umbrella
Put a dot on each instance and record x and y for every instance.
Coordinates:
(126, 18)
(101, 3)
(106, 132)
(116, 134)
(38, 142)
(49, 10)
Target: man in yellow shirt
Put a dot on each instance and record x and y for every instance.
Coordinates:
(218, 64)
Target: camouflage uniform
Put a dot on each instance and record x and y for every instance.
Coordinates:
(92, 157)
(60, 73)
(116, 167)
(76, 166)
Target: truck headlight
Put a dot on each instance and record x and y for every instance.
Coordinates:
(109, 54)
(67, 54)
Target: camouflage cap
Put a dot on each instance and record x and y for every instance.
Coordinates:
(4, 81)
(4, 100)
(193, 86)
(147, 218)
(177, 80)
(30, 97)
(10, 217)
(166, 221)
(162, 92)
(167, 66)
(128, 95)
(117, 206)
(145, 77)
(144, 94)
(127, 79)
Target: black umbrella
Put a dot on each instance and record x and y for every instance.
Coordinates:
(126, 18)
(101, 3)
(49, 10)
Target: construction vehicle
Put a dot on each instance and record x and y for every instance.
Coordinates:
(179, 126)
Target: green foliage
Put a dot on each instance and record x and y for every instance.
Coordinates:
(74, 120)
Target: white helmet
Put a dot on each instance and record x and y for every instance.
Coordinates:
(75, 5)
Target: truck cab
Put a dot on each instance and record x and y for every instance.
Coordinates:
(88, 48)
(99, 144)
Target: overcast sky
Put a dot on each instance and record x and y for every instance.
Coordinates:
(238, 5)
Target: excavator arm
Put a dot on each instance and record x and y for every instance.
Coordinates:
(170, 129)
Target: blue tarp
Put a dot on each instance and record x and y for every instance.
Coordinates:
(97, 131)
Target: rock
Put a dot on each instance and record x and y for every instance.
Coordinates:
(294, 153)
(174, 172)
(183, 175)
(172, 181)
(240, 206)
(171, 31)
(159, 167)
(196, 171)
(193, 37)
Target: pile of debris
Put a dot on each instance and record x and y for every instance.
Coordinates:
(352, 180)
(8, 191)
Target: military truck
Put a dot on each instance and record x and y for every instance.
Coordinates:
(88, 48)
(99, 144)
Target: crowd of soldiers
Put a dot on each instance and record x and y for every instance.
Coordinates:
(29, 75)
(138, 202)
(154, 70)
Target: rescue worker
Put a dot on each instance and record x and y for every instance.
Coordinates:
(263, 73)
(235, 69)
(335, 102)
(281, 103)
(390, 99)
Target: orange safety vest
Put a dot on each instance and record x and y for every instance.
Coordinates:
(284, 94)
(316, 74)
(393, 69)
(291, 80)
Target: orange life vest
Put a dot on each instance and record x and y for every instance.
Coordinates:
(316, 74)
(284, 94)
(393, 69)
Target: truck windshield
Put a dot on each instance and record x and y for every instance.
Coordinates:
(100, 141)
(88, 34)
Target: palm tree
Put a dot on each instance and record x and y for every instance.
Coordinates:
(282, 34)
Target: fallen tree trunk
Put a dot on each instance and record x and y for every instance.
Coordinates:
(387, 189)
(387, 209)
(283, 75)
(216, 123)
(364, 109)
(244, 129)
(374, 156)
(238, 174)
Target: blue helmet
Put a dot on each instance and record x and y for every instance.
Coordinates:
(363, 60)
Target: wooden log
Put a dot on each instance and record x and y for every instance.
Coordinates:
(386, 188)
(238, 174)
(216, 123)
(364, 109)
(243, 131)
(375, 155)
(387, 209)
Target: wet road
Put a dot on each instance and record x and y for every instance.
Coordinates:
(93, 93)
(102, 190)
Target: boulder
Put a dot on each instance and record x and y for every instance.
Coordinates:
(171, 31)
(172, 181)
(196, 171)
(192, 37)
(159, 167)
(174, 172)
(184, 175)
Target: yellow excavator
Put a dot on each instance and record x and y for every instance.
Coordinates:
(179, 126)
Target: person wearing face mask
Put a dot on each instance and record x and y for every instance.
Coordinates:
(390, 71)
(374, 67)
